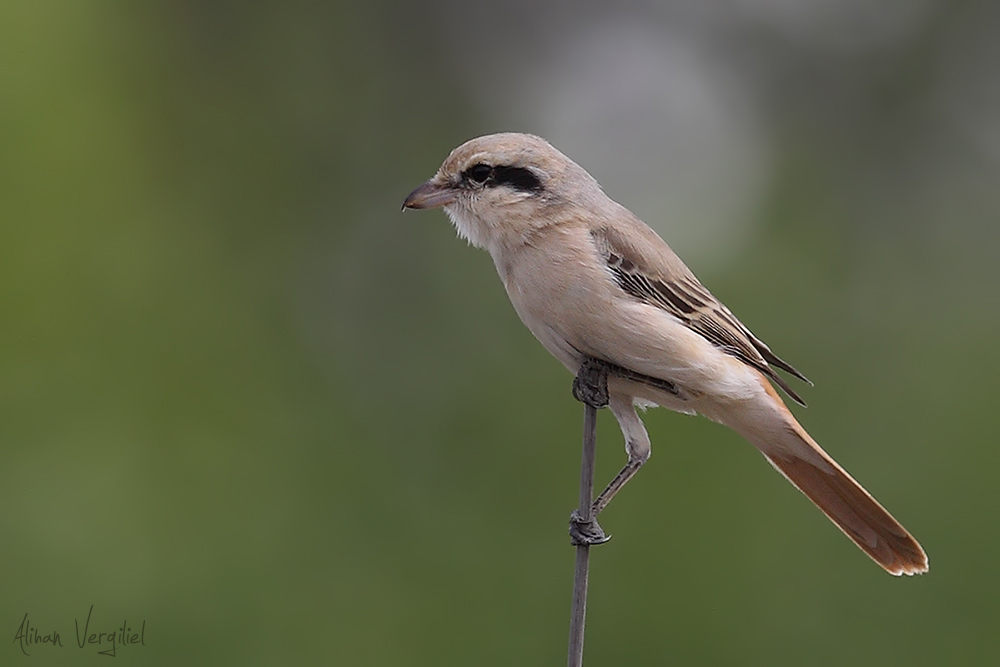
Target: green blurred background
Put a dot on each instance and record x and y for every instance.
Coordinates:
(245, 399)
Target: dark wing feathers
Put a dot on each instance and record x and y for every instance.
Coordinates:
(674, 288)
(775, 360)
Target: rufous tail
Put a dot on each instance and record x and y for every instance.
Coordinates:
(777, 434)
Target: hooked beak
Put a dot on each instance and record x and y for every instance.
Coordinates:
(430, 195)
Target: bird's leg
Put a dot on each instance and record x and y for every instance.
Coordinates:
(628, 472)
(591, 388)
(636, 446)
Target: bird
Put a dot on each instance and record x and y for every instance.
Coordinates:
(600, 289)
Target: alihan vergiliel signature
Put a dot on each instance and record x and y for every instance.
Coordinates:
(29, 636)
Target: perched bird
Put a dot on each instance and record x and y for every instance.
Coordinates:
(594, 283)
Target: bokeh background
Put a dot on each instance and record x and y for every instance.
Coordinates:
(246, 400)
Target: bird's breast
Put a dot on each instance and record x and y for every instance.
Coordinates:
(559, 289)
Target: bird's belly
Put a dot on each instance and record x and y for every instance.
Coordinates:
(551, 338)
(575, 323)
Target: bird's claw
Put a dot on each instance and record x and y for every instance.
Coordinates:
(585, 533)
(590, 386)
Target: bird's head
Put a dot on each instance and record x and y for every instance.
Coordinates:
(499, 188)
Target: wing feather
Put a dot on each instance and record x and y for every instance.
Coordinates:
(661, 279)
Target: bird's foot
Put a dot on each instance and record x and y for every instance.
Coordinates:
(590, 386)
(585, 533)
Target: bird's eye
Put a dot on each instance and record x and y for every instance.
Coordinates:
(480, 173)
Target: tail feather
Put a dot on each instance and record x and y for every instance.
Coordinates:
(855, 512)
(776, 433)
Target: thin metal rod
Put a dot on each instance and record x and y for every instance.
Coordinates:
(578, 614)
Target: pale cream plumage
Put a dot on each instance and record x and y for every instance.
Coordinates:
(590, 280)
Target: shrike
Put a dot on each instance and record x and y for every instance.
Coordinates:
(593, 282)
